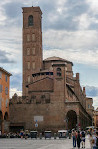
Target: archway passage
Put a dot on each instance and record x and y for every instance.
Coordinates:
(6, 122)
(1, 118)
(6, 116)
(71, 119)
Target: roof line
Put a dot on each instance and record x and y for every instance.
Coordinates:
(5, 71)
(38, 81)
(59, 59)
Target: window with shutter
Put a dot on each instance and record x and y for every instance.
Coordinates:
(6, 90)
(0, 74)
(0, 88)
(6, 103)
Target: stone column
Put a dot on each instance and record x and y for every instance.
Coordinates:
(78, 122)
(6, 125)
(2, 126)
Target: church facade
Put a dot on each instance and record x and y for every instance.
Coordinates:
(52, 97)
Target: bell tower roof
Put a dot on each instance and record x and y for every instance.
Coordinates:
(30, 9)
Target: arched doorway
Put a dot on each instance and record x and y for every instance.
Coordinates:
(71, 119)
(6, 116)
(6, 122)
(1, 118)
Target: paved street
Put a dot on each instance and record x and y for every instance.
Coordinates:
(38, 144)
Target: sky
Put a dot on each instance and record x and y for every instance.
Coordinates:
(70, 30)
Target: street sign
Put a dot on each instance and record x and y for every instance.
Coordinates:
(36, 124)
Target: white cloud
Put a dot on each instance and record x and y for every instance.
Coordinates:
(95, 102)
(61, 7)
(75, 40)
(13, 91)
(80, 46)
(78, 56)
(15, 71)
(93, 6)
(11, 42)
(84, 21)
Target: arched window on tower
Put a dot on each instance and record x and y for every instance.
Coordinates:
(59, 73)
(30, 20)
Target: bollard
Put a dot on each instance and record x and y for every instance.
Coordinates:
(40, 135)
(54, 135)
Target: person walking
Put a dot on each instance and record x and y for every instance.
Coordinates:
(83, 138)
(95, 141)
(90, 139)
(74, 138)
(21, 134)
(78, 140)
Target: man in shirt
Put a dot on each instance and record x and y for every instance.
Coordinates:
(95, 141)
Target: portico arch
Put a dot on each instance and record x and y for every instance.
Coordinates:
(6, 122)
(1, 119)
(71, 119)
(6, 116)
(1, 116)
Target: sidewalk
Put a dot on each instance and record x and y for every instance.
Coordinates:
(39, 144)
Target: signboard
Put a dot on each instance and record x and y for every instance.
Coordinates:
(38, 118)
(36, 124)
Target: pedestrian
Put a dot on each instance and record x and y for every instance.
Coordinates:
(69, 133)
(78, 139)
(90, 139)
(83, 138)
(74, 138)
(95, 141)
(26, 134)
(21, 134)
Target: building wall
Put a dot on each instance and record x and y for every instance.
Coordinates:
(52, 114)
(96, 117)
(48, 65)
(46, 99)
(89, 107)
(4, 95)
(50, 100)
(4, 99)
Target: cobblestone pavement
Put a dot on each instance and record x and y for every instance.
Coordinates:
(38, 144)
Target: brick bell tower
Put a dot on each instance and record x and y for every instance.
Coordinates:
(32, 44)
